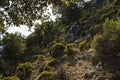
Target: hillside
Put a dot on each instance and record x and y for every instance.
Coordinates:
(52, 53)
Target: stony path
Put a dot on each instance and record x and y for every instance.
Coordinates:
(83, 69)
(78, 71)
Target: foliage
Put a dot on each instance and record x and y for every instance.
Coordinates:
(43, 36)
(82, 45)
(38, 58)
(50, 63)
(45, 75)
(25, 12)
(97, 29)
(24, 70)
(14, 47)
(71, 13)
(68, 49)
(106, 44)
(70, 45)
(64, 57)
(57, 50)
(11, 78)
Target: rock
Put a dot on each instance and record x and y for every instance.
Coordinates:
(89, 75)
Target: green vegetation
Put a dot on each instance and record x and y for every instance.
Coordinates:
(49, 47)
(106, 44)
(50, 63)
(24, 70)
(45, 75)
(11, 78)
(82, 45)
(57, 50)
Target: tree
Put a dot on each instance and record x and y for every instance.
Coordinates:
(43, 36)
(14, 47)
(19, 12)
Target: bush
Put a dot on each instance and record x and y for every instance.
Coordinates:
(57, 50)
(11, 78)
(38, 58)
(82, 45)
(64, 57)
(70, 45)
(45, 75)
(97, 29)
(50, 63)
(106, 45)
(68, 49)
(24, 70)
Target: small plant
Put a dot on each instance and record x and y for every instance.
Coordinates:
(50, 63)
(82, 45)
(45, 75)
(64, 57)
(57, 50)
(24, 70)
(70, 45)
(11, 78)
(68, 49)
(38, 58)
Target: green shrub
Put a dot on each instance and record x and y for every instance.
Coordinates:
(38, 58)
(11, 78)
(24, 70)
(50, 63)
(68, 49)
(97, 29)
(64, 57)
(82, 45)
(47, 68)
(57, 50)
(106, 45)
(70, 45)
(45, 75)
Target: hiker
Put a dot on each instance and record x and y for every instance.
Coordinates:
(73, 30)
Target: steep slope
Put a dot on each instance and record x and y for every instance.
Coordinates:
(78, 66)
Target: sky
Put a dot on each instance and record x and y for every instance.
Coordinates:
(24, 30)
